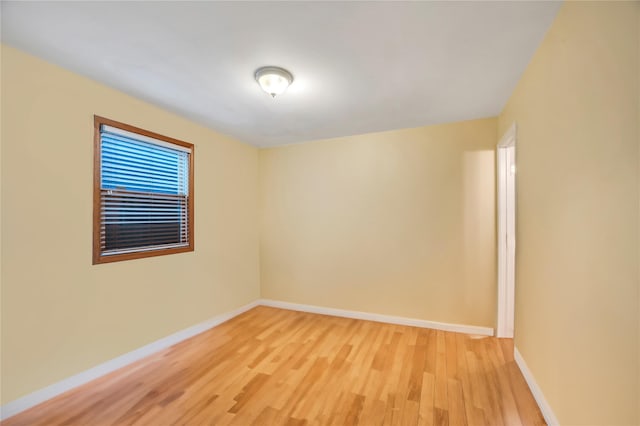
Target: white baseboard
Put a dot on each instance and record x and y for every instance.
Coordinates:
(545, 408)
(14, 407)
(458, 328)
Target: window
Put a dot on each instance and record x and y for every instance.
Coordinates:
(142, 193)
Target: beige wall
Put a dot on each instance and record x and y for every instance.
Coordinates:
(1, 95)
(577, 259)
(398, 223)
(61, 314)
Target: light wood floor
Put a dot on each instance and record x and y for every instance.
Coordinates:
(276, 367)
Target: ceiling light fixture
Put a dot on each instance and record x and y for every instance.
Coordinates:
(273, 80)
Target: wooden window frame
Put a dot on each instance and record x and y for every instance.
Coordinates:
(98, 257)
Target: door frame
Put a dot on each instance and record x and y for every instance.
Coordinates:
(506, 174)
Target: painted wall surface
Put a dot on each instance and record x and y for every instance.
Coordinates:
(1, 95)
(61, 314)
(399, 223)
(577, 306)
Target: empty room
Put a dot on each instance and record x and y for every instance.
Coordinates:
(320, 213)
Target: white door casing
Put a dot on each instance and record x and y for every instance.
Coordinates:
(506, 161)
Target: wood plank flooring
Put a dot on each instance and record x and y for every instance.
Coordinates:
(276, 367)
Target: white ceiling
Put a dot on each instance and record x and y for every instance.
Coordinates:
(359, 66)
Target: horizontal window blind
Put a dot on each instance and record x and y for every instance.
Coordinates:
(144, 193)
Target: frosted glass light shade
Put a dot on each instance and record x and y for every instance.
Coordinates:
(273, 80)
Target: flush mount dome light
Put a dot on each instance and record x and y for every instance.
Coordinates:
(273, 80)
